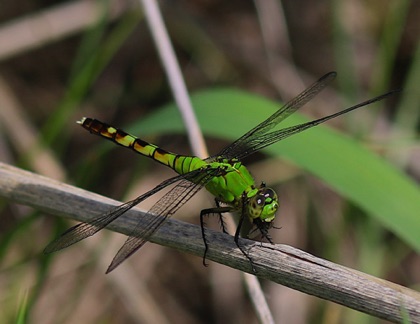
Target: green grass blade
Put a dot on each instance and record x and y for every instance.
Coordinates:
(358, 174)
(23, 310)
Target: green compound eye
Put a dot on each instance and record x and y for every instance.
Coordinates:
(265, 197)
(264, 205)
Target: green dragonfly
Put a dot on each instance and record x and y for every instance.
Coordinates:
(223, 175)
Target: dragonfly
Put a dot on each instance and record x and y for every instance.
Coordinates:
(223, 175)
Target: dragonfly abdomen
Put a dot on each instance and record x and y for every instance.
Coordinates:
(179, 163)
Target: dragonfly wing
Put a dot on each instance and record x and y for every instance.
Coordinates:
(257, 143)
(245, 142)
(162, 210)
(84, 230)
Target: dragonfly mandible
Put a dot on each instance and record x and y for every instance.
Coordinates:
(223, 175)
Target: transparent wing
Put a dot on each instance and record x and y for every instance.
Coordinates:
(84, 230)
(162, 210)
(246, 141)
(257, 143)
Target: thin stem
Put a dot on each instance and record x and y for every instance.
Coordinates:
(173, 71)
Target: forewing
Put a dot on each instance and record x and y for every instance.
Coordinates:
(244, 145)
(264, 140)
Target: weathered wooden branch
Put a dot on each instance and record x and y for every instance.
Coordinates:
(279, 263)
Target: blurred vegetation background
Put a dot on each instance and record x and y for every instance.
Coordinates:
(60, 61)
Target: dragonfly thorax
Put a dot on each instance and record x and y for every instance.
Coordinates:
(263, 205)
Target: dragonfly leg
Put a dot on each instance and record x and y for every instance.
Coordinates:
(263, 228)
(205, 212)
(238, 231)
(221, 220)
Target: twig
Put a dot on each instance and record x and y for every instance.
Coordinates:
(279, 263)
(173, 71)
(258, 300)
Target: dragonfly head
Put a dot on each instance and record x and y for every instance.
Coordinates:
(263, 205)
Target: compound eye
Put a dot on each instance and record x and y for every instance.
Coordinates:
(263, 205)
(265, 196)
(260, 200)
(269, 193)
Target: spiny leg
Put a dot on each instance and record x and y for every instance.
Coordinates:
(221, 220)
(238, 230)
(263, 228)
(215, 210)
(267, 236)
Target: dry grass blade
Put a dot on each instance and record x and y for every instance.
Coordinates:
(179, 89)
(175, 78)
(279, 263)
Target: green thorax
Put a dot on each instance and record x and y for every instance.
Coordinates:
(234, 181)
(236, 187)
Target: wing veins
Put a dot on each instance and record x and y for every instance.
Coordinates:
(87, 229)
(241, 144)
(161, 211)
(265, 140)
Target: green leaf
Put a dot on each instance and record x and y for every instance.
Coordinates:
(346, 165)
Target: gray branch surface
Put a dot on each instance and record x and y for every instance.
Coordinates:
(279, 263)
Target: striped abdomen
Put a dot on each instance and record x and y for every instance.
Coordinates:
(180, 163)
